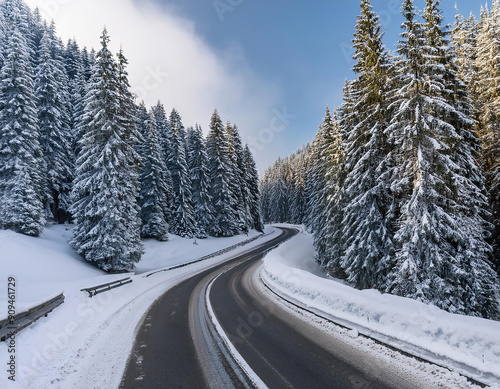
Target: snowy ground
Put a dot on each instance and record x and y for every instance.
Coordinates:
(466, 344)
(88, 339)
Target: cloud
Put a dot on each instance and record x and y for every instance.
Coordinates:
(169, 61)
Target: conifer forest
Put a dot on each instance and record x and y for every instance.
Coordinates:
(401, 185)
(76, 147)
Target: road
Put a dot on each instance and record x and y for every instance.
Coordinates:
(178, 345)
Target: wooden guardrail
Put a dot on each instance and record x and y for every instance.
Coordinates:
(24, 319)
(105, 287)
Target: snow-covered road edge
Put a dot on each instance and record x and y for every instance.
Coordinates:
(454, 341)
(236, 356)
(209, 256)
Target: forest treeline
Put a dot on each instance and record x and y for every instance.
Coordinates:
(401, 185)
(76, 147)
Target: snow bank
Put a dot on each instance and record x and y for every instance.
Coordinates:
(454, 340)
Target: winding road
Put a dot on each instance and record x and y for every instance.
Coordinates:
(219, 330)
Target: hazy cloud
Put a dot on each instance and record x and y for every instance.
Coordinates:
(170, 62)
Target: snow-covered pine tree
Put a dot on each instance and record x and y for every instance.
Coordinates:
(315, 182)
(77, 88)
(464, 40)
(38, 27)
(54, 130)
(72, 59)
(106, 184)
(22, 184)
(175, 117)
(88, 60)
(17, 13)
(437, 255)
(164, 131)
(318, 196)
(368, 245)
(155, 195)
(183, 218)
(331, 236)
(475, 252)
(238, 183)
(126, 116)
(3, 39)
(252, 183)
(225, 220)
(200, 184)
(487, 100)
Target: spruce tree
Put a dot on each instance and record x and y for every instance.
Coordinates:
(435, 250)
(238, 183)
(200, 184)
(155, 195)
(174, 148)
(219, 165)
(22, 184)
(106, 184)
(183, 219)
(55, 131)
(368, 246)
(487, 100)
(175, 117)
(88, 60)
(331, 236)
(163, 126)
(252, 184)
(72, 59)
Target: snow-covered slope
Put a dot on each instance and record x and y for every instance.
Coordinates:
(88, 339)
(469, 344)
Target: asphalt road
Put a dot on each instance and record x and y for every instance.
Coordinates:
(178, 346)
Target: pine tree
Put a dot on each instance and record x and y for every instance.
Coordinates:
(238, 183)
(252, 184)
(225, 221)
(72, 59)
(183, 220)
(55, 132)
(330, 237)
(105, 189)
(435, 251)
(174, 146)
(17, 14)
(368, 246)
(164, 131)
(155, 193)
(200, 184)
(487, 100)
(22, 189)
(88, 61)
(38, 27)
(175, 117)
(77, 86)
(464, 39)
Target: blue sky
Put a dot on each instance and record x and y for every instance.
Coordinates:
(301, 46)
